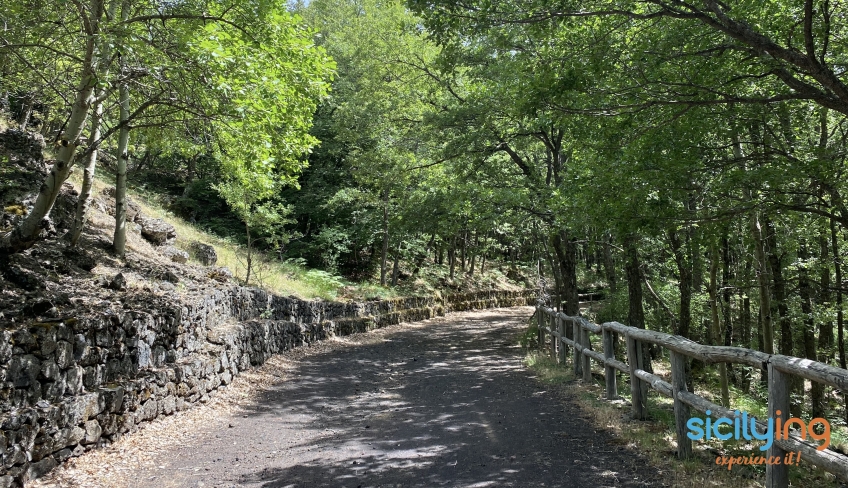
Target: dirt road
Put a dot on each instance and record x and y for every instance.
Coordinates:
(445, 402)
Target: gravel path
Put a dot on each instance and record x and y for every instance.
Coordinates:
(446, 402)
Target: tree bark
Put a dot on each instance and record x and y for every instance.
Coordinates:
(249, 254)
(26, 233)
(452, 256)
(840, 318)
(386, 239)
(805, 289)
(609, 266)
(566, 252)
(636, 311)
(825, 345)
(84, 201)
(26, 110)
(716, 335)
(684, 270)
(779, 295)
(764, 280)
(120, 240)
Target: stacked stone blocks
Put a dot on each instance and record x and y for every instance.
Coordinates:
(81, 383)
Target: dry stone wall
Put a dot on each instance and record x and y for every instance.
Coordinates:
(79, 383)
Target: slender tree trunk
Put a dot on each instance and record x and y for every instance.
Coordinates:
(483, 253)
(396, 266)
(764, 279)
(386, 239)
(808, 333)
(716, 335)
(726, 297)
(472, 264)
(840, 318)
(636, 312)
(249, 254)
(464, 248)
(684, 285)
(26, 233)
(120, 240)
(452, 256)
(609, 266)
(84, 200)
(825, 345)
(557, 273)
(566, 252)
(26, 111)
(726, 293)
(779, 294)
(745, 313)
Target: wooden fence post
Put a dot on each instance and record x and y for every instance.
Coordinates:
(777, 475)
(554, 340)
(609, 371)
(681, 410)
(561, 348)
(636, 400)
(587, 361)
(578, 357)
(541, 322)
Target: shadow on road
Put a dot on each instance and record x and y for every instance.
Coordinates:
(448, 404)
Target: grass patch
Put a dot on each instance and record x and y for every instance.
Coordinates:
(280, 277)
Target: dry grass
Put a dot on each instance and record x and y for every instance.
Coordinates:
(279, 277)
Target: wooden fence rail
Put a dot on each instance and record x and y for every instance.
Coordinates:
(779, 368)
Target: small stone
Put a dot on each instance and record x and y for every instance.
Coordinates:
(23, 370)
(118, 283)
(174, 254)
(204, 253)
(92, 432)
(171, 277)
(157, 231)
(39, 469)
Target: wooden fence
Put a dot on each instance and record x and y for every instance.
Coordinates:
(779, 370)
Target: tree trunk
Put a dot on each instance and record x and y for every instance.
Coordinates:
(396, 265)
(474, 253)
(825, 345)
(566, 252)
(84, 201)
(464, 247)
(779, 294)
(120, 240)
(609, 266)
(764, 279)
(840, 318)
(809, 334)
(636, 311)
(249, 254)
(26, 110)
(386, 239)
(452, 256)
(745, 313)
(715, 330)
(26, 233)
(684, 285)
(726, 294)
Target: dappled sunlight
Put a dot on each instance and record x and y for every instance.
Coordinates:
(445, 404)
